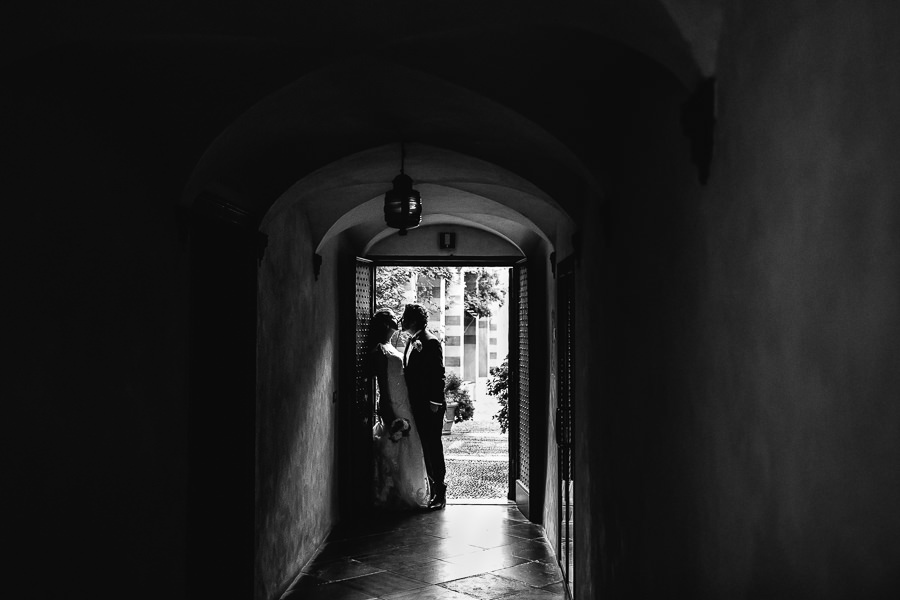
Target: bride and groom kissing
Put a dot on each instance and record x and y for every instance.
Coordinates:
(408, 452)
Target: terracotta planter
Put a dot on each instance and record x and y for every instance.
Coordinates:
(449, 415)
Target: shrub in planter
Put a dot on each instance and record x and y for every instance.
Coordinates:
(453, 392)
(498, 386)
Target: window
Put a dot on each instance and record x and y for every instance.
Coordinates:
(452, 340)
(493, 327)
(493, 356)
(452, 320)
(451, 361)
(469, 340)
(492, 341)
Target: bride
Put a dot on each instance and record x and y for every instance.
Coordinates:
(400, 478)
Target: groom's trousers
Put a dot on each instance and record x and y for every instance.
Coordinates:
(431, 425)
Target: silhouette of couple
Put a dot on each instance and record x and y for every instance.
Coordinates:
(409, 455)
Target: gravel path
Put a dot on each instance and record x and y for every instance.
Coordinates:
(477, 460)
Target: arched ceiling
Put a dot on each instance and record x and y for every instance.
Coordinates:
(511, 103)
(527, 104)
(679, 34)
(347, 197)
(346, 108)
(330, 143)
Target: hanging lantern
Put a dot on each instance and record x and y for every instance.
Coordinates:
(402, 204)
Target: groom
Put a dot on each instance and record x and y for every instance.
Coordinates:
(423, 366)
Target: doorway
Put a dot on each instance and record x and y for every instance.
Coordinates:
(528, 353)
(468, 306)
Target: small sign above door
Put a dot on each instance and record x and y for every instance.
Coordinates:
(446, 240)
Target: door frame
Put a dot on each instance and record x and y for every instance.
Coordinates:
(498, 261)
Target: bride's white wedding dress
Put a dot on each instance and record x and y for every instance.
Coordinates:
(400, 478)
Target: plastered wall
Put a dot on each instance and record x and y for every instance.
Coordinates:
(423, 241)
(740, 426)
(799, 419)
(637, 266)
(297, 378)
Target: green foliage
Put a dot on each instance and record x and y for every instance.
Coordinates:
(453, 392)
(487, 292)
(498, 386)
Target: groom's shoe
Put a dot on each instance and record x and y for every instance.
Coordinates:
(439, 500)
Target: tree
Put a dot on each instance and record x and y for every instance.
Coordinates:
(392, 284)
(498, 386)
(427, 279)
(487, 292)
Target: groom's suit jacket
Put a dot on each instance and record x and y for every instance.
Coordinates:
(424, 372)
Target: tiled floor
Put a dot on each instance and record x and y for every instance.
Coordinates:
(462, 552)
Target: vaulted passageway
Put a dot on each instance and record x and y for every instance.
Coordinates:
(310, 163)
(308, 310)
(735, 341)
(511, 151)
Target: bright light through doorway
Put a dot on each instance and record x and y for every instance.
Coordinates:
(468, 311)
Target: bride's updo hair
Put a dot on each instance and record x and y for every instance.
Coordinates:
(383, 321)
(380, 325)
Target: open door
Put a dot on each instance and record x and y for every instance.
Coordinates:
(520, 412)
(565, 421)
(365, 306)
(357, 408)
(528, 402)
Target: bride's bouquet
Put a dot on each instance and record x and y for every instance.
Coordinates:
(399, 429)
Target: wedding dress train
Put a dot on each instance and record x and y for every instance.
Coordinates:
(401, 481)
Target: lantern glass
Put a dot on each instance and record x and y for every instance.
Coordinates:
(402, 208)
(402, 204)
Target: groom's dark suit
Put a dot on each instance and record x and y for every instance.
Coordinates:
(424, 371)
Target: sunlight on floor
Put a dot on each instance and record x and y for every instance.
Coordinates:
(458, 553)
